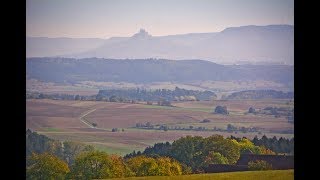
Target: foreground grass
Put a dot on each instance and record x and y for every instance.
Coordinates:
(247, 175)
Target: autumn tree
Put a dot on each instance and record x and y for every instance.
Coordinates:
(247, 147)
(225, 147)
(119, 168)
(143, 166)
(95, 165)
(46, 166)
(168, 167)
(266, 151)
(148, 166)
(214, 158)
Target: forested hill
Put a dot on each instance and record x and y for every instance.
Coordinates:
(261, 94)
(150, 70)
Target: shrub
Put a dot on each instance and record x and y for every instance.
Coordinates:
(205, 121)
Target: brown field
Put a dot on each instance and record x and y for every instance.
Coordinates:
(60, 120)
(236, 105)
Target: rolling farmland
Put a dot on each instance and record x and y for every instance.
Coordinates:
(60, 120)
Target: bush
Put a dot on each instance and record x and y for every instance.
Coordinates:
(221, 110)
(251, 110)
(259, 165)
(205, 121)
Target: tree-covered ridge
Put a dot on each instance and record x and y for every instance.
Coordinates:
(70, 70)
(261, 94)
(177, 94)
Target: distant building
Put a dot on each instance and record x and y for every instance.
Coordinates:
(279, 162)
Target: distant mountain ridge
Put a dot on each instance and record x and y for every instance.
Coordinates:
(272, 43)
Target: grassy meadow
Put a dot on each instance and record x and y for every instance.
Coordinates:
(247, 175)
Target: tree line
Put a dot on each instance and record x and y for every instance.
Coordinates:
(162, 96)
(261, 94)
(197, 152)
(281, 145)
(230, 128)
(178, 94)
(51, 159)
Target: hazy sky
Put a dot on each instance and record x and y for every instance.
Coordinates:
(108, 18)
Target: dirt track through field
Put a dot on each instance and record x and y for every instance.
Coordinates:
(86, 122)
(81, 118)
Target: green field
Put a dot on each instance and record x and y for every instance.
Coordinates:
(52, 129)
(247, 175)
(207, 110)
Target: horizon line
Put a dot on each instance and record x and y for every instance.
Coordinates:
(60, 37)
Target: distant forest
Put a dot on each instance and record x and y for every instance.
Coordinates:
(70, 70)
(261, 94)
(130, 95)
(177, 94)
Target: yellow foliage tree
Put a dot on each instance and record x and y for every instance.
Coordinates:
(143, 166)
(246, 146)
(168, 167)
(266, 151)
(147, 166)
(119, 168)
(97, 165)
(46, 166)
(214, 158)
